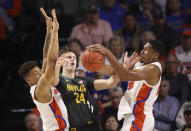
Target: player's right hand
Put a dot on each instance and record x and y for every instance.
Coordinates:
(48, 20)
(131, 61)
(60, 60)
(55, 21)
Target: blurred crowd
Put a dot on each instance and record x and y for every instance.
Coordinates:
(120, 25)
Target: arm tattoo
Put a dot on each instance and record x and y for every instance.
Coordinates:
(46, 44)
(45, 50)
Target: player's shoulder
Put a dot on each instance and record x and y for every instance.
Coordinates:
(152, 69)
(154, 66)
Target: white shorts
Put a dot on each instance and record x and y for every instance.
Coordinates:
(140, 123)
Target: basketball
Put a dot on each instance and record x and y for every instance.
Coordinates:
(92, 61)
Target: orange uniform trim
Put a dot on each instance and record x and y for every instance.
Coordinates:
(58, 115)
(138, 109)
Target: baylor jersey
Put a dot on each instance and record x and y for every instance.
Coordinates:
(74, 93)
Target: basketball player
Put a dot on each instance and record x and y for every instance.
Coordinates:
(74, 91)
(47, 98)
(144, 80)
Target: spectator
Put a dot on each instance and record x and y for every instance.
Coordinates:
(9, 9)
(175, 18)
(112, 13)
(180, 120)
(111, 123)
(187, 117)
(129, 5)
(162, 32)
(80, 73)
(32, 122)
(161, 4)
(115, 95)
(186, 6)
(2, 30)
(178, 82)
(145, 18)
(145, 37)
(183, 51)
(116, 46)
(77, 45)
(9, 22)
(93, 30)
(130, 32)
(165, 108)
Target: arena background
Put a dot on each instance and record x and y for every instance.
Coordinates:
(25, 42)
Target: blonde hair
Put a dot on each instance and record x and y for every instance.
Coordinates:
(118, 39)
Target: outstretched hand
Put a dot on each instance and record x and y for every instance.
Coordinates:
(60, 60)
(129, 62)
(55, 22)
(48, 20)
(97, 47)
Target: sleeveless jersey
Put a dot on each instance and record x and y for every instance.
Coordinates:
(137, 103)
(54, 113)
(74, 94)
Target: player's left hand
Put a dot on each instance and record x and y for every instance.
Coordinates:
(131, 61)
(60, 60)
(55, 21)
(97, 47)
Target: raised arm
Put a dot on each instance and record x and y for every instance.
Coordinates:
(129, 75)
(129, 63)
(59, 63)
(106, 70)
(47, 38)
(43, 90)
(145, 73)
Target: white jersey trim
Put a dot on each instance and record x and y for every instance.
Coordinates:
(32, 91)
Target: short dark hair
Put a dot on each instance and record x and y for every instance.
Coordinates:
(129, 14)
(107, 117)
(66, 49)
(157, 46)
(75, 40)
(173, 55)
(164, 78)
(26, 67)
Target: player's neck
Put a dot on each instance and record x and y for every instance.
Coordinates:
(31, 84)
(69, 74)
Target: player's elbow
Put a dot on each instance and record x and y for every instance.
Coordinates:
(50, 76)
(42, 92)
(52, 60)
